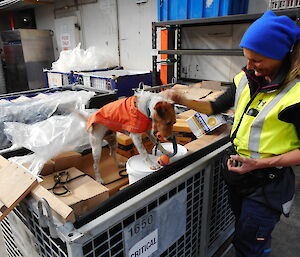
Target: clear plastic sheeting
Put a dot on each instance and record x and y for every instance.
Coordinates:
(78, 60)
(37, 109)
(48, 138)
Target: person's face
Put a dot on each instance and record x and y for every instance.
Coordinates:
(263, 66)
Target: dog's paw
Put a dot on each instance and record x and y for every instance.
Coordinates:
(155, 166)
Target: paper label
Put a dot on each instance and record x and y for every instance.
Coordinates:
(146, 246)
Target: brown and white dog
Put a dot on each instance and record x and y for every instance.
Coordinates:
(144, 112)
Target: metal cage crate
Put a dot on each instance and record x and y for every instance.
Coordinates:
(283, 4)
(185, 214)
(121, 80)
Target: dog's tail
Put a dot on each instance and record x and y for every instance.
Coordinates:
(83, 115)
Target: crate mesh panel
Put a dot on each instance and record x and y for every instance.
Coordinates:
(9, 240)
(45, 244)
(111, 242)
(221, 215)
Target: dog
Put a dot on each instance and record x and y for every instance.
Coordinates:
(143, 112)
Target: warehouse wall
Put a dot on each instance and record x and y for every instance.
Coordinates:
(99, 27)
(258, 6)
(135, 23)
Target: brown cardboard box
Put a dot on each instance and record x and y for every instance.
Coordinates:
(129, 153)
(181, 126)
(109, 170)
(66, 160)
(85, 193)
(182, 140)
(206, 140)
(125, 142)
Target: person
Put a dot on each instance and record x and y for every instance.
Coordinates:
(265, 133)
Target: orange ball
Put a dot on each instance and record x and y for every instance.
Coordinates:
(163, 160)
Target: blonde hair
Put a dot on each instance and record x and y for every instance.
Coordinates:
(295, 64)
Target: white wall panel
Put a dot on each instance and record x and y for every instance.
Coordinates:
(221, 68)
(99, 27)
(135, 23)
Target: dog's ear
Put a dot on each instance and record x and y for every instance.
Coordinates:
(161, 109)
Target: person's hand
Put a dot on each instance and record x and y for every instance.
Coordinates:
(241, 164)
(173, 95)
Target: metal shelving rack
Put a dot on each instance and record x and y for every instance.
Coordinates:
(175, 51)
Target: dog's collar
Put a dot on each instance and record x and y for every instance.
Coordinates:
(147, 109)
(148, 113)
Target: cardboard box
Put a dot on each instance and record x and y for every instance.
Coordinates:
(85, 193)
(206, 140)
(109, 171)
(66, 160)
(127, 149)
(202, 124)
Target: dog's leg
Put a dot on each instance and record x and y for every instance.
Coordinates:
(137, 141)
(111, 139)
(96, 137)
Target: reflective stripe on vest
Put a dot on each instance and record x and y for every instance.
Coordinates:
(248, 143)
(242, 84)
(255, 131)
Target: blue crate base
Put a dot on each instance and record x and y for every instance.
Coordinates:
(123, 81)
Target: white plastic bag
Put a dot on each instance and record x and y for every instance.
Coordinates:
(82, 60)
(49, 137)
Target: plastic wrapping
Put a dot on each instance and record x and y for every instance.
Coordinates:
(40, 108)
(48, 138)
(78, 60)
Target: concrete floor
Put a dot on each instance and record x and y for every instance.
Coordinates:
(286, 235)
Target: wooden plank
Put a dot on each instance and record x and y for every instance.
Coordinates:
(15, 184)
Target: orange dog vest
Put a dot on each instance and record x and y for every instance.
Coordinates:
(121, 115)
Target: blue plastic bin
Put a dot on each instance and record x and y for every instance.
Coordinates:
(195, 9)
(211, 9)
(172, 9)
(225, 7)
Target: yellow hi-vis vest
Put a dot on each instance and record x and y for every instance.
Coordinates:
(264, 135)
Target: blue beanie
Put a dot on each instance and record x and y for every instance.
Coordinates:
(271, 35)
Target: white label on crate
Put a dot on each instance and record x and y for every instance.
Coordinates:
(155, 231)
(55, 79)
(87, 81)
(146, 246)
